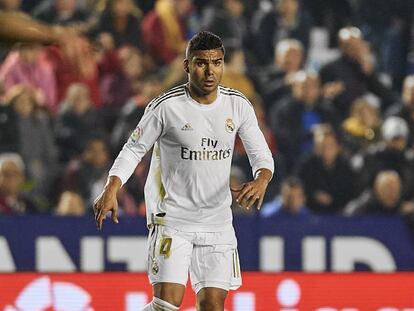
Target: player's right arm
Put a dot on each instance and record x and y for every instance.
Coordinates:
(142, 139)
(107, 201)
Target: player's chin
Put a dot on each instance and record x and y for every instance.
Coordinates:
(209, 87)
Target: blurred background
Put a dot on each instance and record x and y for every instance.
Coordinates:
(332, 84)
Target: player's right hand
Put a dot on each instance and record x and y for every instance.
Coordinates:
(104, 203)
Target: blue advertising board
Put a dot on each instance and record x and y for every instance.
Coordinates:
(315, 244)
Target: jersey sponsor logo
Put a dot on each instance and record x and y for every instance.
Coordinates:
(136, 134)
(204, 154)
(187, 127)
(208, 152)
(229, 125)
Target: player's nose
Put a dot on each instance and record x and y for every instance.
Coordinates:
(209, 69)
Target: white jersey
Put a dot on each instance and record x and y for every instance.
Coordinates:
(188, 181)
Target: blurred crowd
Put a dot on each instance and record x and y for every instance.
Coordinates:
(331, 81)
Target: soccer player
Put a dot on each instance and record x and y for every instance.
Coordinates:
(192, 128)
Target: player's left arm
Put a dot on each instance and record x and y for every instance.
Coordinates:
(260, 158)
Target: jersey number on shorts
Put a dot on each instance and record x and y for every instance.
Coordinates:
(165, 247)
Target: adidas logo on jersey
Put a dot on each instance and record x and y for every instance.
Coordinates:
(187, 127)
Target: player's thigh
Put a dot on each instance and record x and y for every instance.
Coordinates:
(216, 265)
(169, 258)
(211, 299)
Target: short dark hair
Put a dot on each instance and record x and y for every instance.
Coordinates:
(204, 40)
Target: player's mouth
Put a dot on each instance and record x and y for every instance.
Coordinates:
(209, 83)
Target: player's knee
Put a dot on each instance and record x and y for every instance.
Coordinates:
(209, 299)
(210, 304)
(159, 304)
(172, 293)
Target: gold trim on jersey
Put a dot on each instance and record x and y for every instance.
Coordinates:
(157, 175)
(236, 264)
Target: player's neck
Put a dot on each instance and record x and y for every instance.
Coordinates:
(205, 99)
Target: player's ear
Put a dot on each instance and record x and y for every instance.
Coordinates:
(186, 66)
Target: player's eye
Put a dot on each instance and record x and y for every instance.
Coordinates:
(217, 63)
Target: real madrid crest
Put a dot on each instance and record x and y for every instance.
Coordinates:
(229, 125)
(155, 268)
(136, 134)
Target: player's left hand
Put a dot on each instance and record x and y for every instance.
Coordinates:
(251, 193)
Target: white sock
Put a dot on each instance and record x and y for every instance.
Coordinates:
(159, 305)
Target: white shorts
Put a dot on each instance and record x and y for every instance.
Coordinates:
(211, 258)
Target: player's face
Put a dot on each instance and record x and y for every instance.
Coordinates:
(205, 69)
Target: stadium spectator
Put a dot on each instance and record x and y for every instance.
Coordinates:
(79, 67)
(12, 199)
(226, 19)
(388, 154)
(362, 127)
(87, 175)
(70, 204)
(35, 141)
(355, 69)
(387, 28)
(331, 15)
(291, 201)
(25, 65)
(293, 119)
(274, 81)
(235, 75)
(165, 30)
(122, 20)
(77, 120)
(405, 109)
(287, 20)
(62, 12)
(124, 82)
(8, 128)
(384, 197)
(326, 174)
